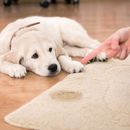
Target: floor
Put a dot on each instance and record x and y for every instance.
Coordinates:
(99, 17)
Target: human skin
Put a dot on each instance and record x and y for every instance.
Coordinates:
(115, 46)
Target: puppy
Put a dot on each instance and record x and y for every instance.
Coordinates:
(44, 45)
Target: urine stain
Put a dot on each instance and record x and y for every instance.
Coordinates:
(66, 96)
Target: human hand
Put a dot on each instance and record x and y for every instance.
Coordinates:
(117, 46)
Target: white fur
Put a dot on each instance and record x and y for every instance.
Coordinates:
(21, 39)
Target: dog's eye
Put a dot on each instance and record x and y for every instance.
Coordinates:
(35, 56)
(50, 49)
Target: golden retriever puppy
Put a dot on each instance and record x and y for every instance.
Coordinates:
(44, 45)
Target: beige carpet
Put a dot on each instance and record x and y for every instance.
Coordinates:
(98, 99)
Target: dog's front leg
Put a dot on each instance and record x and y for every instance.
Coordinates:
(70, 65)
(13, 70)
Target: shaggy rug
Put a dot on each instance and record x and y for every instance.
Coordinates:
(98, 99)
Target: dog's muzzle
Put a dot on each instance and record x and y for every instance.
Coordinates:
(52, 69)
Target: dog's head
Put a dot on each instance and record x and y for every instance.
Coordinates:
(37, 53)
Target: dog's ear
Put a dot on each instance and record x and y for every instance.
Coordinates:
(23, 29)
(11, 30)
(13, 57)
(60, 51)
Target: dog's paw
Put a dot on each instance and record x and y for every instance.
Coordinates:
(101, 57)
(92, 60)
(17, 71)
(75, 67)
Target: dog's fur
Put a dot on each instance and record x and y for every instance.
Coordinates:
(44, 45)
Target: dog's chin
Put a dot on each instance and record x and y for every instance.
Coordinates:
(48, 74)
(53, 74)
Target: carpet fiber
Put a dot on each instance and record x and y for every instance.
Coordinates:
(98, 99)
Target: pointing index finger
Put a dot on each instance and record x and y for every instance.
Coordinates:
(92, 54)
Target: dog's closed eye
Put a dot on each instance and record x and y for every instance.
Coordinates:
(35, 56)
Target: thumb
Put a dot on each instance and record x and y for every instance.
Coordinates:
(111, 53)
(114, 42)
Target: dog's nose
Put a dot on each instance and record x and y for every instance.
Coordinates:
(52, 68)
